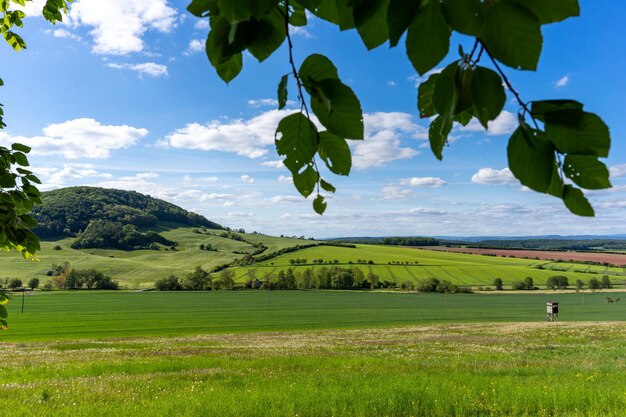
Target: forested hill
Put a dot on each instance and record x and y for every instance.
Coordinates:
(67, 211)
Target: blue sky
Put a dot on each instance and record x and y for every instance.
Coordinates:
(122, 95)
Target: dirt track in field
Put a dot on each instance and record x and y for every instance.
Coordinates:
(612, 258)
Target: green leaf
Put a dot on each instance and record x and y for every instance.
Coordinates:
(464, 16)
(400, 13)
(586, 171)
(282, 92)
(28, 221)
(551, 11)
(326, 186)
(319, 205)
(21, 148)
(203, 8)
(345, 117)
(224, 55)
(556, 184)
(576, 201)
(296, 138)
(317, 67)
(268, 34)
(531, 159)
(428, 38)
(370, 18)
(464, 117)
(512, 35)
(487, 94)
(230, 69)
(336, 11)
(240, 10)
(567, 112)
(298, 16)
(21, 159)
(590, 137)
(438, 135)
(445, 95)
(465, 101)
(306, 180)
(425, 96)
(3, 312)
(335, 152)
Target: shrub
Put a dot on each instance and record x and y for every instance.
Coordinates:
(58, 247)
(497, 283)
(169, 283)
(605, 282)
(518, 286)
(33, 283)
(15, 283)
(428, 285)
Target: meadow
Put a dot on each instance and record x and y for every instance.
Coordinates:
(318, 354)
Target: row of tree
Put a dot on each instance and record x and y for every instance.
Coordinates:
(556, 282)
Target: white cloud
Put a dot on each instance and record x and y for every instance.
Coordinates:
(494, 176)
(285, 199)
(562, 82)
(263, 102)
(147, 68)
(274, 164)
(252, 137)
(618, 171)
(79, 138)
(423, 182)
(393, 192)
(426, 210)
(195, 45)
(201, 24)
(285, 180)
(383, 134)
(248, 138)
(63, 33)
(392, 83)
(57, 177)
(247, 179)
(300, 31)
(119, 25)
(209, 179)
(240, 214)
(505, 123)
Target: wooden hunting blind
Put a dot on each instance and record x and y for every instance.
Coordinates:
(553, 311)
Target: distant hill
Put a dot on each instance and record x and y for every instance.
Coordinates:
(68, 211)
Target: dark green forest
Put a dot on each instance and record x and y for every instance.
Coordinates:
(107, 218)
(68, 211)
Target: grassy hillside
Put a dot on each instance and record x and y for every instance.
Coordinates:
(456, 267)
(140, 268)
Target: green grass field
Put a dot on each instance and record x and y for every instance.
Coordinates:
(319, 354)
(460, 268)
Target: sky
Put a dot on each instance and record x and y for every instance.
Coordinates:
(121, 95)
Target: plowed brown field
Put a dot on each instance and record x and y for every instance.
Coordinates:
(611, 258)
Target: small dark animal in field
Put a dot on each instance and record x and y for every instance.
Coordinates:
(609, 300)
